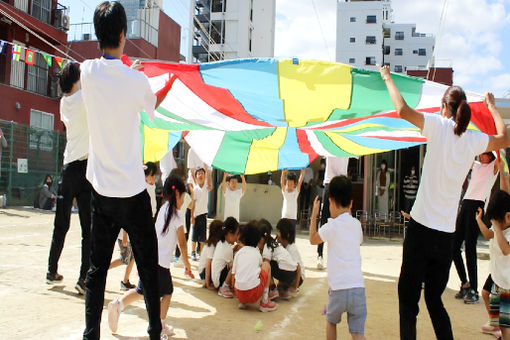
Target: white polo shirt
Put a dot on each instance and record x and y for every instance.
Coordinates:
(232, 203)
(289, 208)
(114, 95)
(74, 116)
(168, 240)
(482, 180)
(246, 268)
(201, 196)
(446, 165)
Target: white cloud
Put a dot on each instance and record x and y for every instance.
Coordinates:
(499, 85)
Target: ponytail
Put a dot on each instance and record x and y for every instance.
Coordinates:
(462, 118)
(173, 185)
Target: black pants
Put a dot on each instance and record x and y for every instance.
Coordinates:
(188, 227)
(427, 257)
(72, 184)
(467, 231)
(134, 215)
(408, 204)
(324, 216)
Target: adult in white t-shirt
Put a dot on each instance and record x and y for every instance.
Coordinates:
(290, 192)
(428, 244)
(232, 194)
(483, 176)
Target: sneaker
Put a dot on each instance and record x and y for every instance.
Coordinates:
(471, 297)
(225, 292)
(113, 315)
(320, 262)
(286, 295)
(176, 258)
(267, 307)
(488, 329)
(193, 256)
(126, 286)
(80, 286)
(273, 294)
(167, 330)
(462, 292)
(55, 277)
(241, 306)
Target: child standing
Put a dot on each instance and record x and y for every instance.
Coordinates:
(199, 211)
(170, 230)
(344, 236)
(114, 95)
(250, 274)
(204, 266)
(290, 192)
(232, 195)
(286, 235)
(221, 264)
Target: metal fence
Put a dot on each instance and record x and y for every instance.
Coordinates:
(30, 155)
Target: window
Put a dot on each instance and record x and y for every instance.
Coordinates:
(21, 5)
(41, 134)
(219, 6)
(37, 80)
(398, 51)
(422, 51)
(353, 39)
(352, 60)
(41, 10)
(386, 49)
(415, 51)
(371, 19)
(370, 61)
(353, 19)
(399, 35)
(217, 32)
(370, 40)
(398, 68)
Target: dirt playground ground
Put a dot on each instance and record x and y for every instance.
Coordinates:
(32, 309)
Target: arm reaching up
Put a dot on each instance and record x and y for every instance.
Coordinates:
(502, 139)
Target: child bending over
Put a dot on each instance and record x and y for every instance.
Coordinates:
(286, 235)
(204, 266)
(221, 264)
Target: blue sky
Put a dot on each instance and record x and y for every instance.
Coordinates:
(474, 38)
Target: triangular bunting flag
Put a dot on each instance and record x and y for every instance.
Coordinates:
(29, 57)
(47, 58)
(16, 52)
(2, 46)
(59, 61)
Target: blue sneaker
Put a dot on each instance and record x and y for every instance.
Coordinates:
(176, 259)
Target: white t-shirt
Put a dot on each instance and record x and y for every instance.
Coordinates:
(281, 256)
(74, 116)
(114, 95)
(294, 252)
(207, 253)
(201, 195)
(167, 241)
(289, 209)
(246, 268)
(232, 202)
(446, 165)
(185, 204)
(223, 254)
(500, 264)
(482, 180)
(151, 189)
(335, 166)
(344, 237)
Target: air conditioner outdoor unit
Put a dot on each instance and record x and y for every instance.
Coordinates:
(65, 22)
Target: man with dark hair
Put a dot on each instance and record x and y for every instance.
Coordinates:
(73, 183)
(114, 96)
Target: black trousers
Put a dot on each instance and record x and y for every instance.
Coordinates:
(467, 231)
(134, 215)
(427, 257)
(324, 216)
(72, 184)
(408, 204)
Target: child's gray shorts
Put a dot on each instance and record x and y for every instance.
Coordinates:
(352, 301)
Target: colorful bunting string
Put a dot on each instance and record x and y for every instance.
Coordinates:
(30, 53)
(29, 57)
(16, 52)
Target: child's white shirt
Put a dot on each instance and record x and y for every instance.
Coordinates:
(246, 268)
(232, 203)
(281, 256)
(296, 256)
(167, 241)
(74, 116)
(289, 208)
(223, 254)
(206, 254)
(201, 196)
(151, 189)
(344, 237)
(499, 266)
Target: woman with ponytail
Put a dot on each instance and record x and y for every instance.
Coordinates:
(451, 149)
(169, 231)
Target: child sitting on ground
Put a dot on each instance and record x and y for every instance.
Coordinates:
(250, 274)
(283, 267)
(345, 278)
(221, 264)
(232, 195)
(169, 230)
(204, 266)
(286, 235)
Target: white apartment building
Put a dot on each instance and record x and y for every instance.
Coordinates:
(366, 36)
(230, 29)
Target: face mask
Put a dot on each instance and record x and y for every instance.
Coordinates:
(383, 166)
(412, 172)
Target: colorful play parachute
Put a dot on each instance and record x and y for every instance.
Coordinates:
(257, 115)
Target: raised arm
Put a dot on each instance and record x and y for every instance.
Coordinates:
(301, 179)
(208, 177)
(224, 183)
(243, 187)
(404, 111)
(314, 235)
(282, 178)
(502, 139)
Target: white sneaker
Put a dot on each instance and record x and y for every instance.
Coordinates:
(320, 262)
(113, 315)
(167, 329)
